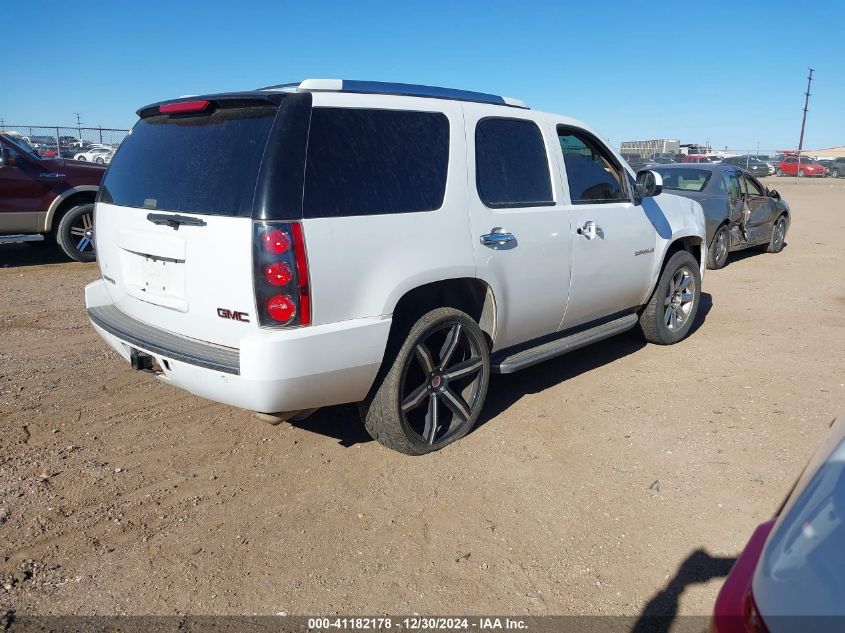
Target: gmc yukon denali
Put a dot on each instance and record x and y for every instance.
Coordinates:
(334, 241)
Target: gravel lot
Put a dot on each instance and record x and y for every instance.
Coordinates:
(621, 478)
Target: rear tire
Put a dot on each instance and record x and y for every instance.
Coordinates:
(434, 385)
(75, 233)
(717, 254)
(834, 173)
(669, 314)
(779, 172)
(778, 236)
(83, 159)
(801, 173)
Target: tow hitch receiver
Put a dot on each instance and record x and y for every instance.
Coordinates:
(140, 360)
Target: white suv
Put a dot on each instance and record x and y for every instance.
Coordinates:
(305, 245)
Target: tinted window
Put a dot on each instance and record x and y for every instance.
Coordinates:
(753, 187)
(199, 164)
(685, 179)
(512, 169)
(593, 174)
(364, 162)
(730, 185)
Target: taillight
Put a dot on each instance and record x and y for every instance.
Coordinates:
(280, 275)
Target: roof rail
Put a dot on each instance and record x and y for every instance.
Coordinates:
(384, 87)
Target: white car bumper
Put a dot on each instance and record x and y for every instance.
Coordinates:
(271, 371)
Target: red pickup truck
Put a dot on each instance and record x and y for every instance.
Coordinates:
(47, 198)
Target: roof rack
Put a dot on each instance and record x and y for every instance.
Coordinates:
(384, 87)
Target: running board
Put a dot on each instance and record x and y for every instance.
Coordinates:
(14, 239)
(509, 363)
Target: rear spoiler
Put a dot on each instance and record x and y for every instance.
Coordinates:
(215, 101)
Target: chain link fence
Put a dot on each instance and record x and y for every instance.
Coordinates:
(93, 144)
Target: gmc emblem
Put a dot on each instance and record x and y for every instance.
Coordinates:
(224, 313)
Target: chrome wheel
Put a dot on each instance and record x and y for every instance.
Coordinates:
(82, 232)
(679, 300)
(441, 388)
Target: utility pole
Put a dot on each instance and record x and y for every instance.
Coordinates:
(803, 123)
(78, 126)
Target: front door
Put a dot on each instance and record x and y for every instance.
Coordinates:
(21, 192)
(519, 227)
(759, 211)
(613, 240)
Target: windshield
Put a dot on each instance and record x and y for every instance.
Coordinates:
(19, 144)
(198, 164)
(685, 179)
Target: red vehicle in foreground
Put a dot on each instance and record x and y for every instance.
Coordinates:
(789, 167)
(791, 574)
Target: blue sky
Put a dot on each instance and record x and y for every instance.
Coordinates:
(732, 72)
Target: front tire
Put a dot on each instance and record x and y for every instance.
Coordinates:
(668, 316)
(717, 254)
(834, 173)
(779, 172)
(75, 233)
(801, 173)
(83, 159)
(434, 386)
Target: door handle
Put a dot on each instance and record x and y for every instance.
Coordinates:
(497, 236)
(589, 230)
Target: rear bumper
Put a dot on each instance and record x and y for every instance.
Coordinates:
(270, 371)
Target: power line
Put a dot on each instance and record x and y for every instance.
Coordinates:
(804, 122)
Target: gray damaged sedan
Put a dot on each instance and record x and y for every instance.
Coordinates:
(739, 211)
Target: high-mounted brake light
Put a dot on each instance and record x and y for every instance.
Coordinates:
(280, 275)
(183, 107)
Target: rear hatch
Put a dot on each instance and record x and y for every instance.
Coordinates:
(174, 217)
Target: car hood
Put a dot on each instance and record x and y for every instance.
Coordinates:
(74, 172)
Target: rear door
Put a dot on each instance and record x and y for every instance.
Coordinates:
(613, 239)
(201, 166)
(519, 225)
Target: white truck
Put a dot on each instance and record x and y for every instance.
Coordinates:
(338, 241)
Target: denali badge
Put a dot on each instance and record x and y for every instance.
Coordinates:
(643, 252)
(223, 313)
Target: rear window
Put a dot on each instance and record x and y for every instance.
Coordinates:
(366, 162)
(198, 164)
(685, 179)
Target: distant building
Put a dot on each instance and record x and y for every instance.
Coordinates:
(646, 149)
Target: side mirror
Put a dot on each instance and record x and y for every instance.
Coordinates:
(649, 183)
(7, 158)
(774, 194)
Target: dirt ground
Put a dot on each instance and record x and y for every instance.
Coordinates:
(621, 478)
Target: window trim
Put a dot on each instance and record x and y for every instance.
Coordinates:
(747, 176)
(449, 149)
(513, 205)
(626, 182)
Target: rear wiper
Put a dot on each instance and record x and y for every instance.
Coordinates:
(174, 221)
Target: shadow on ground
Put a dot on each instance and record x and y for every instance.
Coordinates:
(344, 424)
(508, 389)
(30, 254)
(660, 612)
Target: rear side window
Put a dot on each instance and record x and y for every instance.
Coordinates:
(512, 169)
(199, 164)
(368, 162)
